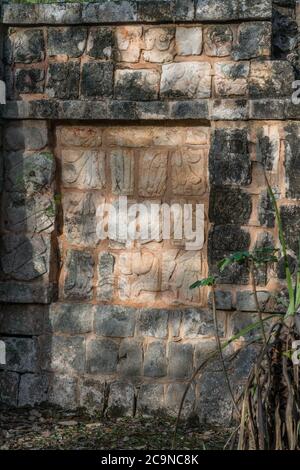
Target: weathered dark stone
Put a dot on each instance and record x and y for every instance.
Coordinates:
(102, 356)
(269, 79)
(30, 80)
(27, 293)
(267, 149)
(189, 109)
(254, 40)
(292, 160)
(69, 40)
(229, 206)
(224, 300)
(152, 323)
(33, 389)
(92, 395)
(218, 40)
(199, 322)
(229, 109)
(70, 319)
(105, 287)
(229, 158)
(123, 110)
(63, 80)
(180, 360)
(27, 320)
(130, 358)
(245, 301)
(30, 137)
(97, 79)
(79, 275)
(9, 388)
(150, 399)
(233, 9)
(109, 11)
(121, 400)
(173, 399)
(25, 46)
(285, 34)
(292, 262)
(163, 10)
(114, 320)
(101, 43)
(83, 110)
(266, 212)
(155, 361)
(268, 109)
(290, 216)
(21, 354)
(63, 391)
(68, 354)
(224, 240)
(24, 258)
(136, 85)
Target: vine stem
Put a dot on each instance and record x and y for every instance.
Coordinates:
(257, 304)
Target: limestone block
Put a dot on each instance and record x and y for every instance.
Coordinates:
(33, 389)
(268, 146)
(63, 391)
(9, 388)
(197, 323)
(29, 81)
(290, 215)
(129, 136)
(179, 271)
(97, 79)
(21, 354)
(101, 42)
(122, 171)
(71, 319)
(25, 258)
(26, 320)
(153, 322)
(186, 80)
(150, 399)
(218, 40)
(189, 171)
(78, 283)
(25, 46)
(155, 361)
(102, 356)
(270, 79)
(180, 360)
(174, 396)
(92, 395)
(63, 80)
(229, 206)
(27, 135)
(254, 40)
(130, 358)
(69, 40)
(188, 40)
(139, 275)
(114, 320)
(105, 285)
(80, 217)
(159, 44)
(84, 136)
(83, 169)
(68, 354)
(152, 172)
(129, 41)
(292, 161)
(136, 85)
(121, 399)
(231, 78)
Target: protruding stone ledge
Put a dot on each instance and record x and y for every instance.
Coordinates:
(112, 110)
(134, 11)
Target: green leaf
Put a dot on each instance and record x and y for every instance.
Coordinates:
(208, 281)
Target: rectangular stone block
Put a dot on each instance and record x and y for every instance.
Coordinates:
(180, 358)
(292, 161)
(114, 320)
(254, 40)
(33, 389)
(159, 44)
(101, 43)
(122, 171)
(231, 79)
(197, 323)
(63, 80)
(186, 80)
(152, 322)
(80, 136)
(26, 320)
(173, 399)
(130, 358)
(28, 135)
(70, 319)
(153, 172)
(210, 10)
(63, 391)
(102, 356)
(79, 273)
(105, 285)
(109, 11)
(189, 171)
(155, 359)
(218, 40)
(27, 293)
(29, 81)
(245, 301)
(188, 41)
(136, 85)
(92, 395)
(83, 169)
(69, 40)
(129, 43)
(9, 388)
(68, 354)
(270, 79)
(97, 80)
(121, 399)
(21, 354)
(150, 399)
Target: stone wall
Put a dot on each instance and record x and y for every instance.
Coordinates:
(162, 101)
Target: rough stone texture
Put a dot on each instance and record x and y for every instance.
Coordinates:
(229, 206)
(174, 395)
(9, 382)
(266, 213)
(218, 40)
(79, 275)
(269, 79)
(92, 395)
(197, 323)
(290, 216)
(25, 46)
(63, 81)
(68, 41)
(229, 159)
(231, 79)
(233, 9)
(105, 276)
(68, 354)
(33, 389)
(102, 356)
(129, 43)
(267, 147)
(62, 391)
(245, 300)
(292, 163)
(101, 43)
(186, 80)
(122, 171)
(223, 241)
(153, 323)
(254, 40)
(29, 81)
(115, 321)
(159, 45)
(121, 399)
(136, 85)
(155, 362)
(188, 41)
(70, 318)
(97, 79)
(180, 360)
(150, 399)
(130, 358)
(21, 354)
(27, 320)
(29, 136)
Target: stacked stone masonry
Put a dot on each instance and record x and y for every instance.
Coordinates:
(176, 102)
